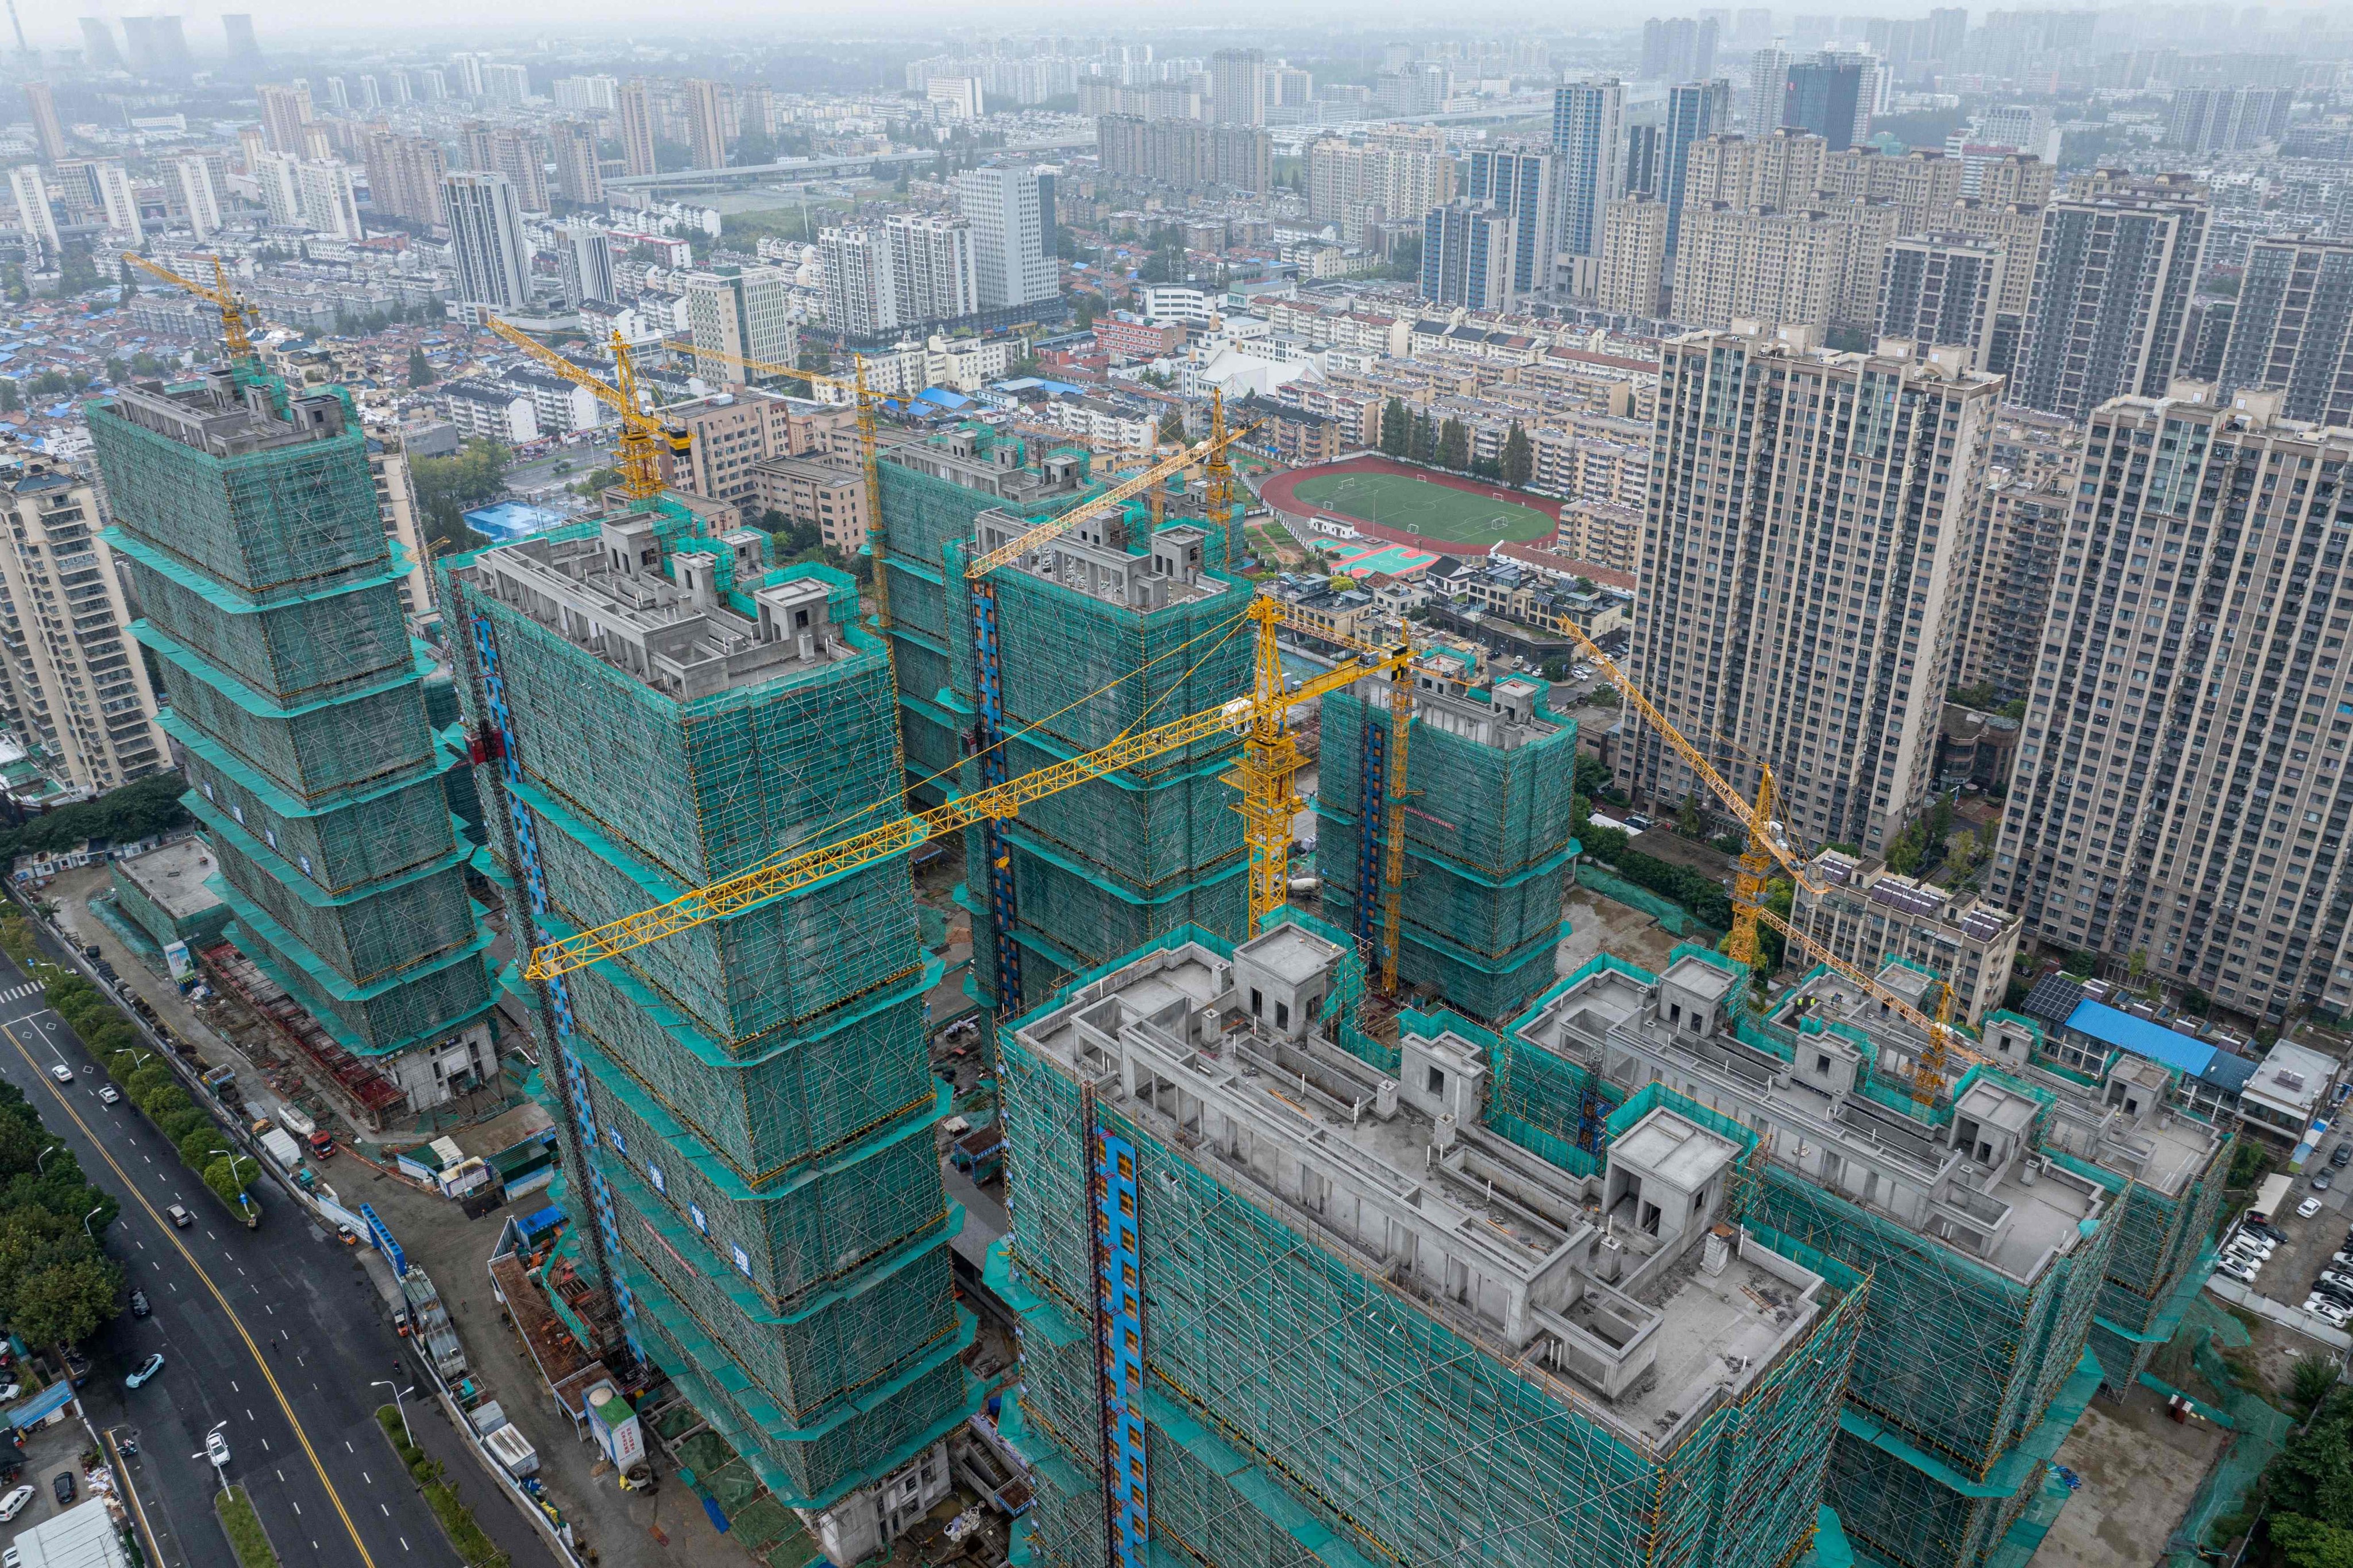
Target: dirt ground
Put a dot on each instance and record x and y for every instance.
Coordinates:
(1597, 924)
(2140, 1471)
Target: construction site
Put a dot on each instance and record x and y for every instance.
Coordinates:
(1356, 1236)
(246, 518)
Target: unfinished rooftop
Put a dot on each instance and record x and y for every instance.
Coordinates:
(1626, 1291)
(663, 618)
(1978, 1181)
(217, 416)
(1448, 697)
(980, 459)
(1092, 557)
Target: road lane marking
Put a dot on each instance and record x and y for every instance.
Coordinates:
(366, 1558)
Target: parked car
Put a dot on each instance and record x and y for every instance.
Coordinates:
(139, 1307)
(2341, 1156)
(2234, 1269)
(2322, 1181)
(2307, 1208)
(2330, 1312)
(14, 1503)
(64, 1487)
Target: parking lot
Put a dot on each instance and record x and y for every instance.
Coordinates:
(2309, 1243)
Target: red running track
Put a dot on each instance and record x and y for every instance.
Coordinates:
(1277, 493)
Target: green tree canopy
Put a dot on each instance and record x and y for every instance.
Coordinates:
(448, 488)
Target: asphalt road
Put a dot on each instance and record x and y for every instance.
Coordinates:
(274, 1335)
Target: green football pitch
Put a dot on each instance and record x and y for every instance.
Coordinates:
(1418, 506)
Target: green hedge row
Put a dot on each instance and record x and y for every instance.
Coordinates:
(149, 1083)
(1702, 895)
(474, 1547)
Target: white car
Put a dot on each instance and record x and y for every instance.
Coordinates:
(61, 1072)
(108, 1095)
(14, 1503)
(2248, 1241)
(2242, 1272)
(2307, 1208)
(215, 1447)
(2321, 1307)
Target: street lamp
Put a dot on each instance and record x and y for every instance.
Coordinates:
(39, 1164)
(396, 1391)
(85, 1224)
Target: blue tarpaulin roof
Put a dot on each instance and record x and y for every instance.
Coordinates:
(42, 1405)
(2141, 1037)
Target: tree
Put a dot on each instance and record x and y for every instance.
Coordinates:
(1423, 444)
(11, 399)
(65, 1303)
(1519, 458)
(1454, 445)
(1397, 427)
(447, 487)
(2310, 1379)
(1688, 821)
(221, 1176)
(421, 369)
(130, 283)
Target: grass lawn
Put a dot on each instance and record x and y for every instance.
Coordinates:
(1418, 506)
(244, 1528)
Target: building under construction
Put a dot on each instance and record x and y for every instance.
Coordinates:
(1303, 1298)
(1127, 619)
(247, 518)
(1488, 852)
(748, 1103)
(2001, 1218)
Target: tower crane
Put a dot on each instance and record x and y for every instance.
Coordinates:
(234, 312)
(1768, 850)
(644, 437)
(1270, 760)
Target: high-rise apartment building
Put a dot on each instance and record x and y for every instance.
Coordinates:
(1633, 256)
(30, 194)
(737, 313)
(1828, 96)
(405, 176)
(1941, 289)
(1011, 211)
(285, 110)
(1517, 181)
(1768, 88)
(574, 94)
(505, 86)
(2117, 264)
(1589, 122)
(638, 127)
(2029, 487)
(933, 271)
(1185, 155)
(1381, 175)
(198, 196)
(1238, 86)
(2292, 329)
(1695, 109)
(48, 133)
(1642, 159)
(577, 178)
(72, 685)
(1466, 255)
(314, 193)
(1807, 542)
(486, 239)
(706, 123)
(745, 1113)
(1678, 49)
(861, 288)
(511, 151)
(586, 255)
(257, 557)
(2181, 792)
(1787, 267)
(2227, 118)
(118, 200)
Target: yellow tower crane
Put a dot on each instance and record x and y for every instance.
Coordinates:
(1769, 850)
(234, 312)
(644, 436)
(1256, 716)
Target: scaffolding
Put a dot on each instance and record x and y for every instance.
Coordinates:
(247, 519)
(1488, 849)
(1305, 1408)
(1965, 1377)
(751, 1104)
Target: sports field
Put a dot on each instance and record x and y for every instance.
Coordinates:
(1413, 505)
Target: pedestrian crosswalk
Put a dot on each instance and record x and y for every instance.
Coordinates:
(19, 993)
